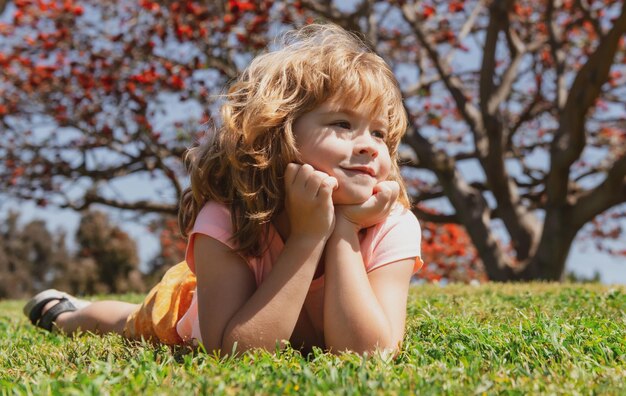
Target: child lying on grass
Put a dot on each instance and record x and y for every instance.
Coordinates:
(297, 216)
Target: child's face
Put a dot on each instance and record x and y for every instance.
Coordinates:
(348, 144)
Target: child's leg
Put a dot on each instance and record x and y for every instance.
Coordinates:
(99, 317)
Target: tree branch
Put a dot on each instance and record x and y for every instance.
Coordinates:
(569, 140)
(471, 207)
(426, 196)
(497, 11)
(521, 224)
(467, 27)
(435, 218)
(556, 45)
(3, 5)
(160, 156)
(611, 192)
(536, 107)
(137, 164)
(502, 92)
(469, 112)
(329, 11)
(416, 88)
(590, 15)
(144, 206)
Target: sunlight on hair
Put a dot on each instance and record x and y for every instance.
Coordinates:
(244, 166)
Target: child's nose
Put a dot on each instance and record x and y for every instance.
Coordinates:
(366, 146)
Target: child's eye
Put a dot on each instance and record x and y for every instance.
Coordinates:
(343, 124)
(379, 134)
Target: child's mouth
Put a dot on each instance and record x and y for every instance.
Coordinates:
(360, 170)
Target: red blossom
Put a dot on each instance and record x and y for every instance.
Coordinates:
(229, 19)
(242, 38)
(131, 87)
(240, 6)
(150, 5)
(176, 82)
(428, 11)
(456, 6)
(184, 31)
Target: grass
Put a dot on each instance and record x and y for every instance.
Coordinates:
(490, 339)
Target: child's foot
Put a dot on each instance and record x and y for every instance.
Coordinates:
(46, 307)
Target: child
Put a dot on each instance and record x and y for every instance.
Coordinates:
(297, 217)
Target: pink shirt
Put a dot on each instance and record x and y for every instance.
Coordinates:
(397, 238)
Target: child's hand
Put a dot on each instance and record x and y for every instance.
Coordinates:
(309, 201)
(374, 210)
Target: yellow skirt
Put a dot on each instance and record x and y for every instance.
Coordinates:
(167, 302)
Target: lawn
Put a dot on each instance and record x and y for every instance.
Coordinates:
(488, 339)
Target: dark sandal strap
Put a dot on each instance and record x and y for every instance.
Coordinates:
(50, 316)
(35, 312)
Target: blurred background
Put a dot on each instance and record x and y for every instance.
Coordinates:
(515, 155)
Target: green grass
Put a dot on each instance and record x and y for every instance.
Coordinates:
(491, 339)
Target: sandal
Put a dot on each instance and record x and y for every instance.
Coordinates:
(67, 303)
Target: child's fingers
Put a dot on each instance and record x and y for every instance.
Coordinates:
(330, 182)
(314, 182)
(309, 180)
(303, 175)
(394, 192)
(389, 189)
(290, 173)
(386, 194)
(328, 185)
(394, 188)
(388, 185)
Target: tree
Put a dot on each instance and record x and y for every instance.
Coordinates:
(33, 259)
(448, 255)
(29, 257)
(107, 257)
(493, 84)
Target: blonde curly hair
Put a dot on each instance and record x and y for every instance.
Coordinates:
(243, 166)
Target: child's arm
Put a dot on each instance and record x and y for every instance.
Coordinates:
(231, 308)
(363, 312)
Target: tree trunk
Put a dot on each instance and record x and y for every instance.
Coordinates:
(549, 261)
